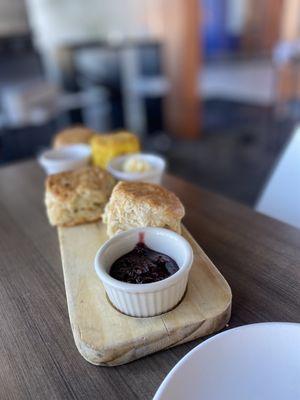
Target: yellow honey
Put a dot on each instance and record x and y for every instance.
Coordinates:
(109, 146)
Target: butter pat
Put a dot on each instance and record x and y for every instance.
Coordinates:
(136, 164)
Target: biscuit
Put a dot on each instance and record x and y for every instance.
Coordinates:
(140, 204)
(79, 196)
(73, 135)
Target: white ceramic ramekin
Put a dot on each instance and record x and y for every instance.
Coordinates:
(158, 166)
(148, 299)
(65, 158)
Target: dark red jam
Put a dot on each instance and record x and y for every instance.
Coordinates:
(143, 265)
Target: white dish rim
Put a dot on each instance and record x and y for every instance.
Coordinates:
(184, 359)
(137, 175)
(146, 287)
(43, 157)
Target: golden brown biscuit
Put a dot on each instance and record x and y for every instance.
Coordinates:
(79, 196)
(73, 135)
(138, 204)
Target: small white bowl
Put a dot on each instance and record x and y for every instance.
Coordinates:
(158, 166)
(148, 299)
(65, 158)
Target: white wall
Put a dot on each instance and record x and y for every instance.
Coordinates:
(56, 23)
(13, 19)
(236, 16)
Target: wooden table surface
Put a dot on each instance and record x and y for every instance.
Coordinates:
(259, 257)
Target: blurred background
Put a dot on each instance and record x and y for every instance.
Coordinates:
(213, 85)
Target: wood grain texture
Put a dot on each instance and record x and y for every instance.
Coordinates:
(258, 256)
(104, 336)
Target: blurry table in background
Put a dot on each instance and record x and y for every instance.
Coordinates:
(258, 256)
(130, 70)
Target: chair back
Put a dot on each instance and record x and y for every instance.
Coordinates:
(280, 198)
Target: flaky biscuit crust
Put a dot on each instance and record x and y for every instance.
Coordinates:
(73, 135)
(138, 204)
(66, 185)
(79, 196)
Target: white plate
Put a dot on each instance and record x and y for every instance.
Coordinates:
(257, 362)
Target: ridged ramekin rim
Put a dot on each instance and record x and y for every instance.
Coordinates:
(146, 287)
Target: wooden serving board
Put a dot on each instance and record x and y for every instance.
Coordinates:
(103, 335)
